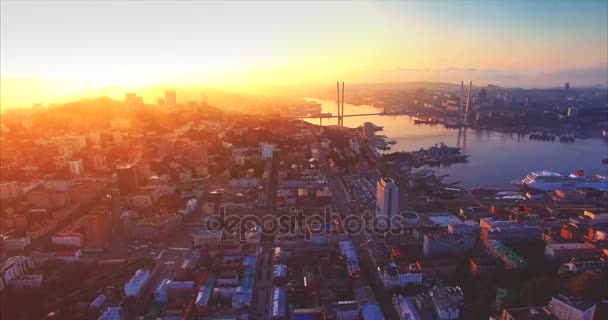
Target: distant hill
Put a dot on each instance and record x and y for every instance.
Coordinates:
(17, 93)
(366, 89)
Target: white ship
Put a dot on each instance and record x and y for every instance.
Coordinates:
(551, 181)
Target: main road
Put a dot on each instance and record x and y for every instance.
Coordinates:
(260, 306)
(340, 197)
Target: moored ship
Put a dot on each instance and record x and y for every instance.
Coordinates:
(551, 181)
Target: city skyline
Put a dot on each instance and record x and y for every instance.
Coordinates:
(54, 49)
(370, 160)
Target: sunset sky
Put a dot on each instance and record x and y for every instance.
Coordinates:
(51, 49)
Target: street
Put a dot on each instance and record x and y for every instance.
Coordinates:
(340, 200)
(263, 280)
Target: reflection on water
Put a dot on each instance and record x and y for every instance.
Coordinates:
(462, 132)
(495, 158)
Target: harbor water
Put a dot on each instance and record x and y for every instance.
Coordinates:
(495, 158)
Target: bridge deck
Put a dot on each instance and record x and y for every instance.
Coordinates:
(349, 115)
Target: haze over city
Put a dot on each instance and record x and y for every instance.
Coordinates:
(304, 160)
(54, 49)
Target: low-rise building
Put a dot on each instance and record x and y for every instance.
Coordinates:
(28, 281)
(437, 268)
(157, 227)
(140, 200)
(10, 190)
(566, 251)
(76, 167)
(583, 264)
(466, 227)
(595, 216)
(443, 243)
(134, 286)
(70, 256)
(475, 212)
(511, 259)
(393, 276)
(352, 261)
(205, 237)
(528, 313)
(16, 243)
(170, 290)
(510, 233)
(343, 310)
(405, 309)
(570, 308)
(70, 236)
(204, 296)
(42, 228)
(13, 268)
(371, 311)
(98, 302)
(244, 292)
(112, 313)
(279, 272)
(245, 182)
(486, 266)
(447, 302)
(278, 304)
(266, 150)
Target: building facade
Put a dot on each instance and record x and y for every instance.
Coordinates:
(569, 308)
(387, 198)
(128, 180)
(76, 167)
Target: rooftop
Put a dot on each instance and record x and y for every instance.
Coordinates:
(531, 313)
(69, 230)
(568, 246)
(11, 261)
(66, 253)
(386, 182)
(443, 219)
(159, 219)
(580, 304)
(508, 253)
(138, 278)
(447, 297)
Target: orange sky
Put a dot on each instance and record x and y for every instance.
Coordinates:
(52, 49)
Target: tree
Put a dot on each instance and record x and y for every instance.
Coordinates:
(538, 291)
(590, 284)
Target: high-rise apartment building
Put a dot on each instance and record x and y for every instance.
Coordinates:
(128, 179)
(170, 98)
(387, 198)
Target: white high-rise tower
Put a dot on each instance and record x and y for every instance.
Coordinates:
(387, 198)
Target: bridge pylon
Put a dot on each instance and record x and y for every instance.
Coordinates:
(340, 103)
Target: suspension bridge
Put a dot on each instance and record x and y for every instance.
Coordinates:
(340, 111)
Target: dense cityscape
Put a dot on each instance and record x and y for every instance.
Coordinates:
(120, 209)
(298, 160)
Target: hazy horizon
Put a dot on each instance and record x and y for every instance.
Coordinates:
(156, 91)
(56, 49)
